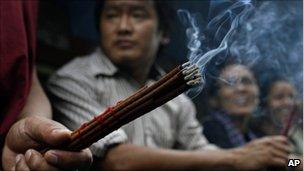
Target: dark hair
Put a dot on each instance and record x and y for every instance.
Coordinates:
(164, 12)
(266, 81)
(165, 15)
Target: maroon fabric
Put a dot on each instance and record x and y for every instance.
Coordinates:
(17, 53)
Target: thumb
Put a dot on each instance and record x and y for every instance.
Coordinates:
(47, 131)
(38, 132)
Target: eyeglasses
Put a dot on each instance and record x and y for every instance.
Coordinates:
(232, 82)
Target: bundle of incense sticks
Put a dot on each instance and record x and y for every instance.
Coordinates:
(144, 100)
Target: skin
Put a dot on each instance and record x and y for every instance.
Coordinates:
(253, 156)
(35, 129)
(145, 38)
(130, 36)
(281, 100)
(238, 93)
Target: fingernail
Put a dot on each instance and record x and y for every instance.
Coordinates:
(28, 154)
(51, 157)
(60, 131)
(18, 158)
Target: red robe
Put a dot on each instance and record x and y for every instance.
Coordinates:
(17, 55)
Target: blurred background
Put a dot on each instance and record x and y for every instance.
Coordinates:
(67, 29)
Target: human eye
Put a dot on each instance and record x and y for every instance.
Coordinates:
(111, 13)
(279, 96)
(247, 81)
(231, 81)
(139, 14)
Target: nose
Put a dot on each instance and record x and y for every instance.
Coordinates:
(240, 87)
(287, 101)
(125, 25)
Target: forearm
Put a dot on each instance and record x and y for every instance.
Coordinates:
(37, 103)
(131, 157)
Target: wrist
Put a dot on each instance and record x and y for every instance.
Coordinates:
(218, 160)
(233, 157)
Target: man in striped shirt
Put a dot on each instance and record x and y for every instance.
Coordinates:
(131, 35)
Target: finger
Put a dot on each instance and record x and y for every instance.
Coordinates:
(69, 160)
(279, 154)
(47, 131)
(278, 162)
(280, 143)
(21, 163)
(8, 158)
(283, 147)
(35, 161)
(36, 132)
(279, 138)
(17, 139)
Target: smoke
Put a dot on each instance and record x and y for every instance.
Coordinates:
(270, 42)
(200, 51)
(267, 38)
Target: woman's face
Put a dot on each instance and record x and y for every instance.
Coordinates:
(238, 92)
(281, 99)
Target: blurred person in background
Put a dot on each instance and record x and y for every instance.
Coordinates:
(234, 97)
(25, 111)
(132, 36)
(278, 101)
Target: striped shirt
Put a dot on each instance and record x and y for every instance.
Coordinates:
(88, 85)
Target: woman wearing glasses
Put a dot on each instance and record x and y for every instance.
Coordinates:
(234, 96)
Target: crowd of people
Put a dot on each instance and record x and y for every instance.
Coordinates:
(132, 35)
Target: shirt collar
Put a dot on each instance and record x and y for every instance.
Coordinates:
(102, 65)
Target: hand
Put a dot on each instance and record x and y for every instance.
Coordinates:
(36, 133)
(262, 153)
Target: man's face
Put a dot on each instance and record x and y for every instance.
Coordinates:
(238, 91)
(129, 32)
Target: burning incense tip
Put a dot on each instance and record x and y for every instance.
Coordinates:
(191, 74)
(185, 64)
(194, 82)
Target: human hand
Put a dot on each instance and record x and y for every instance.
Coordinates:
(261, 153)
(29, 135)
